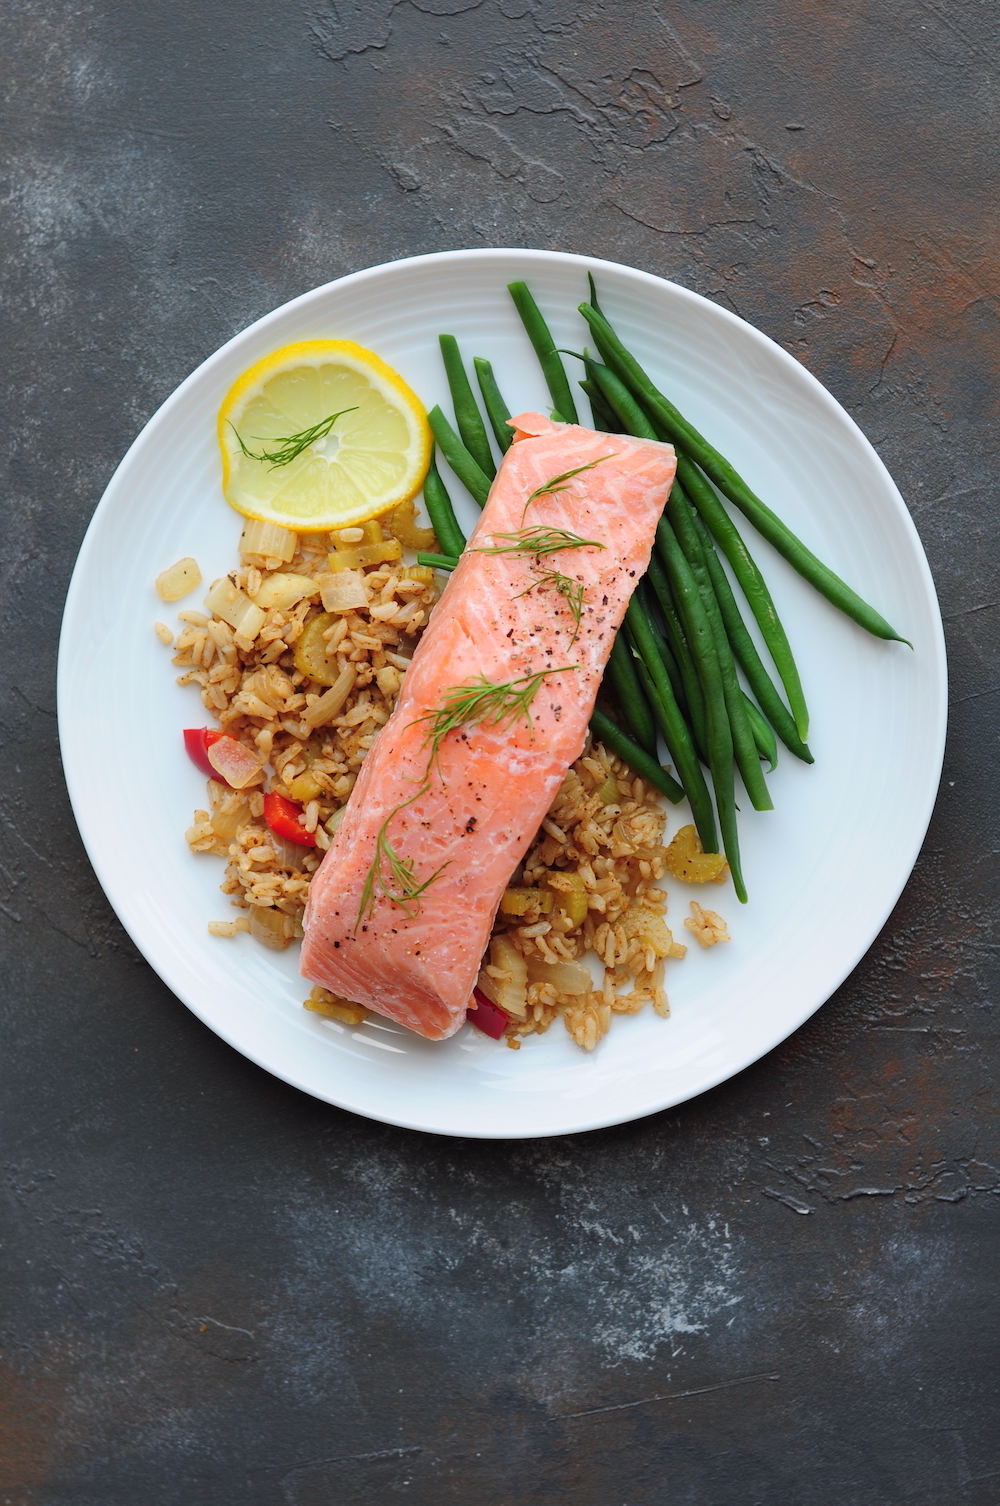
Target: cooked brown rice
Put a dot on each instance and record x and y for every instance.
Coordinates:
(604, 831)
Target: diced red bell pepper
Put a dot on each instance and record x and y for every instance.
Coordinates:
(197, 741)
(486, 1016)
(282, 816)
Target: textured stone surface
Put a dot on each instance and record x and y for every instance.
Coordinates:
(214, 1289)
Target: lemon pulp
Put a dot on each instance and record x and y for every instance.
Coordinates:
(374, 458)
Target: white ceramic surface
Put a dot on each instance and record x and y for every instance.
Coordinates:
(824, 868)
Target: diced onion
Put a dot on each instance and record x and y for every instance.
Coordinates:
(228, 816)
(512, 993)
(565, 977)
(343, 592)
(282, 590)
(235, 607)
(331, 702)
(178, 580)
(238, 764)
(288, 854)
(268, 926)
(487, 985)
(268, 539)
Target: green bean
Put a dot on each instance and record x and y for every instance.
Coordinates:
(634, 421)
(681, 515)
(440, 511)
(662, 647)
(604, 420)
(719, 735)
(754, 586)
(438, 561)
(746, 653)
(467, 415)
(763, 735)
(617, 396)
(621, 401)
(638, 760)
(646, 681)
(552, 367)
(624, 681)
(802, 559)
(693, 693)
(674, 728)
(493, 402)
(468, 471)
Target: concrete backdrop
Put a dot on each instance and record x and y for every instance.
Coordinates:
(216, 1290)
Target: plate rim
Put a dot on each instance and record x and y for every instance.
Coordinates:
(936, 648)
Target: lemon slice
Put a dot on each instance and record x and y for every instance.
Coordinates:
(287, 459)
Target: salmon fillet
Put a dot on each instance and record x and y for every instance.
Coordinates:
(400, 910)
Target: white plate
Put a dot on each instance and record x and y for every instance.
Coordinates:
(824, 869)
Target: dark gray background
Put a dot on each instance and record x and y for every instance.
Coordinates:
(216, 1290)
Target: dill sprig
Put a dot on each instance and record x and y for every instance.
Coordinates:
(401, 887)
(482, 700)
(290, 446)
(561, 482)
(540, 541)
(571, 590)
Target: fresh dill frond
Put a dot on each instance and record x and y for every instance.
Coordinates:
(561, 482)
(540, 541)
(571, 590)
(482, 700)
(290, 446)
(401, 886)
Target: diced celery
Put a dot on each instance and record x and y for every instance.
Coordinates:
(365, 554)
(333, 1007)
(305, 787)
(520, 901)
(311, 657)
(402, 524)
(570, 895)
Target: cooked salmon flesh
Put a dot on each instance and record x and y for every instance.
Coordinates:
(492, 712)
